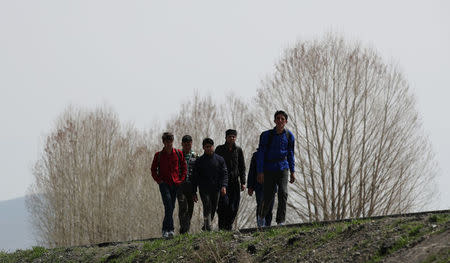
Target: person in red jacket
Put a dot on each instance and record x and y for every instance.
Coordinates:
(169, 171)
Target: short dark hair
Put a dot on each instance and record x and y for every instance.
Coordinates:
(207, 141)
(230, 132)
(186, 138)
(167, 136)
(278, 112)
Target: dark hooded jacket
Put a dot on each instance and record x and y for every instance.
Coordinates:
(235, 163)
(210, 173)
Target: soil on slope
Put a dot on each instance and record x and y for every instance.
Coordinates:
(411, 238)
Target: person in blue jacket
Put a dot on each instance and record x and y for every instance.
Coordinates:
(254, 187)
(275, 165)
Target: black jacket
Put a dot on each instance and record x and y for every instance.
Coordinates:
(235, 162)
(210, 173)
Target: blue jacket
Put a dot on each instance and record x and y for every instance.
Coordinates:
(210, 173)
(277, 156)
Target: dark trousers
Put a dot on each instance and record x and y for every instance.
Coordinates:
(228, 206)
(168, 195)
(185, 206)
(209, 201)
(271, 180)
(259, 194)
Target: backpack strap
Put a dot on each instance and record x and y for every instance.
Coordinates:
(179, 162)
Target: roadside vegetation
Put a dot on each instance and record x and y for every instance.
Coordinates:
(347, 241)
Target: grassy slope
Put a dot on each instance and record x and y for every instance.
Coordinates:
(355, 241)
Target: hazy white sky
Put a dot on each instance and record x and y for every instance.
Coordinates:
(144, 57)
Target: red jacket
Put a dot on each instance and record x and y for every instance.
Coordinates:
(171, 170)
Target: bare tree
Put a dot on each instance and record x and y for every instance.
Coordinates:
(360, 148)
(92, 183)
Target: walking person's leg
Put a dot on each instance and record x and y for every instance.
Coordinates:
(268, 190)
(214, 195)
(269, 215)
(173, 198)
(207, 210)
(235, 198)
(183, 209)
(282, 182)
(259, 199)
(222, 211)
(167, 225)
(190, 205)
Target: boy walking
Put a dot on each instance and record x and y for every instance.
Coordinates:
(211, 178)
(184, 196)
(275, 163)
(254, 187)
(234, 159)
(169, 171)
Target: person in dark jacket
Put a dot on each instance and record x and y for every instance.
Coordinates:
(234, 159)
(169, 171)
(184, 196)
(254, 187)
(275, 164)
(211, 178)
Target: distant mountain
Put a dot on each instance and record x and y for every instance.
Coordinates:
(15, 228)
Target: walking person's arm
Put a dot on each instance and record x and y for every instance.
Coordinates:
(241, 166)
(194, 180)
(154, 169)
(251, 178)
(260, 155)
(291, 159)
(224, 179)
(183, 168)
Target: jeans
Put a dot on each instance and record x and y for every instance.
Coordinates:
(209, 201)
(185, 206)
(228, 206)
(259, 194)
(168, 195)
(271, 180)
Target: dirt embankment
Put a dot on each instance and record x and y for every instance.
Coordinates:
(423, 237)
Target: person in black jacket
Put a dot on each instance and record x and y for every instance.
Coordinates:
(234, 158)
(254, 187)
(184, 195)
(211, 178)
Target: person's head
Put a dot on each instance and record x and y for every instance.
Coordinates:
(230, 136)
(208, 146)
(186, 143)
(280, 119)
(167, 139)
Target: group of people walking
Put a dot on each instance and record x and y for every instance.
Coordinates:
(219, 177)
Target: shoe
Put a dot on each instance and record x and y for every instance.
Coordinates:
(165, 234)
(281, 224)
(170, 234)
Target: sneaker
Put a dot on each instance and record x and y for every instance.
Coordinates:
(165, 234)
(281, 224)
(170, 234)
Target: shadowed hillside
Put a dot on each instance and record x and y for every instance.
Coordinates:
(15, 230)
(420, 237)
